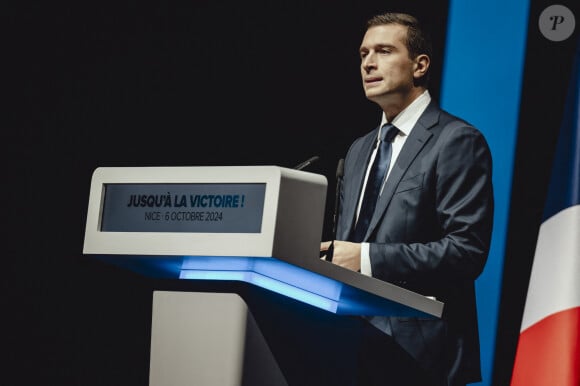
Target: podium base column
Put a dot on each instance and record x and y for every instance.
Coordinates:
(208, 339)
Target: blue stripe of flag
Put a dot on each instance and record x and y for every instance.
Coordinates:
(564, 188)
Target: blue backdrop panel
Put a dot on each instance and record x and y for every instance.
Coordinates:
(482, 82)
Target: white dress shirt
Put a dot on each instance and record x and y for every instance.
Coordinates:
(404, 121)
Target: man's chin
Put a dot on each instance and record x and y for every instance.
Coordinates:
(373, 95)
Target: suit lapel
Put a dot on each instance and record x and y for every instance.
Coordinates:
(354, 187)
(411, 149)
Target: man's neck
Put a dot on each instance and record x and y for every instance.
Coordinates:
(394, 104)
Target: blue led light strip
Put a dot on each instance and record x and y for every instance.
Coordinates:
(271, 274)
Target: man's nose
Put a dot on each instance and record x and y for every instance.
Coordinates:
(368, 63)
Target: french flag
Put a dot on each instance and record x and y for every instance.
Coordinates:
(548, 351)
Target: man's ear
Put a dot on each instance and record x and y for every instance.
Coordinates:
(421, 66)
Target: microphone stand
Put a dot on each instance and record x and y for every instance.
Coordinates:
(339, 174)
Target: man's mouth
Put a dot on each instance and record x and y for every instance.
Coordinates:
(370, 81)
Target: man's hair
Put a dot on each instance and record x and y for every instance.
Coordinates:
(418, 40)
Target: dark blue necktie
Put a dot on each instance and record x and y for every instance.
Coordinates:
(375, 181)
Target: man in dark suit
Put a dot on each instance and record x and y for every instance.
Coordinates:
(430, 229)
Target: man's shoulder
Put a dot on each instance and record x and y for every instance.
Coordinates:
(444, 117)
(447, 121)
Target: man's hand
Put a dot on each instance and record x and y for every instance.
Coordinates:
(346, 254)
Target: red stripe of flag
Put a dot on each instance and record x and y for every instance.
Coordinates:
(549, 352)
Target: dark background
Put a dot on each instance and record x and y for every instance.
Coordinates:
(204, 83)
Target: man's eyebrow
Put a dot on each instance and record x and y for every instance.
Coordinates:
(377, 46)
(386, 45)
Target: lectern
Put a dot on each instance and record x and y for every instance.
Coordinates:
(257, 224)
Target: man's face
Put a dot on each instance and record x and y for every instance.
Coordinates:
(386, 68)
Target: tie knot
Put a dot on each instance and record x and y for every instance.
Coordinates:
(389, 132)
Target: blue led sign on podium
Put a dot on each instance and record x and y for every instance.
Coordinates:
(193, 207)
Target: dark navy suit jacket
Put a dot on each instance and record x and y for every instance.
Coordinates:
(430, 233)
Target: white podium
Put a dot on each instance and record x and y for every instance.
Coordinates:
(257, 224)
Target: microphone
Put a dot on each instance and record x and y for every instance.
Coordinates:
(339, 174)
(306, 163)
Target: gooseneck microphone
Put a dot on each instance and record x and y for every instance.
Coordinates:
(339, 174)
(306, 163)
